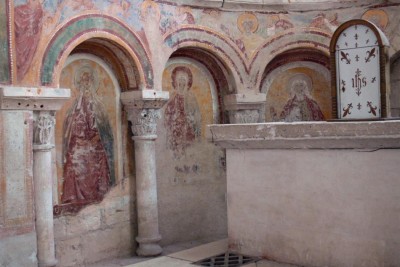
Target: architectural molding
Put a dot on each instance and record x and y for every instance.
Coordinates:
(308, 135)
(33, 98)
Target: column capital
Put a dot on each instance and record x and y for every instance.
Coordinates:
(245, 108)
(33, 98)
(143, 109)
(43, 130)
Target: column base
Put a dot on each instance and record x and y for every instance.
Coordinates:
(49, 263)
(148, 246)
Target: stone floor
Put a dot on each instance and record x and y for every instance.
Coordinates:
(182, 255)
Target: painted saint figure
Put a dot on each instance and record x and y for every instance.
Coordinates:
(182, 113)
(88, 145)
(28, 27)
(301, 106)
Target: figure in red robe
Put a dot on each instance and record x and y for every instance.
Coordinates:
(301, 106)
(182, 113)
(88, 148)
(28, 28)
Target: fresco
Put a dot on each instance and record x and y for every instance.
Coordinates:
(189, 109)
(298, 94)
(85, 136)
(378, 17)
(4, 53)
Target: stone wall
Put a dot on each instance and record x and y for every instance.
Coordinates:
(98, 232)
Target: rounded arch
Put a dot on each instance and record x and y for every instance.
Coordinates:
(313, 41)
(217, 70)
(108, 35)
(214, 45)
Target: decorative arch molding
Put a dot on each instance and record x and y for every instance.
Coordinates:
(86, 27)
(215, 44)
(298, 39)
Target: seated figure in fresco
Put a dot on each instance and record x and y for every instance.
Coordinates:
(182, 113)
(88, 147)
(301, 106)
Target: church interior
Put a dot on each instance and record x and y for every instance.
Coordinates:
(268, 127)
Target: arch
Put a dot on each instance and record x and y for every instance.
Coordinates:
(298, 39)
(216, 69)
(215, 44)
(99, 27)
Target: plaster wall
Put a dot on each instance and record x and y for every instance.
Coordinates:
(315, 207)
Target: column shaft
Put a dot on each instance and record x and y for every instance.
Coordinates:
(44, 206)
(146, 190)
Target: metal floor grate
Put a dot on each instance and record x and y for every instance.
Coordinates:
(227, 259)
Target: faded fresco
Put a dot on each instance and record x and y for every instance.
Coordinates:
(4, 53)
(189, 109)
(298, 94)
(182, 113)
(87, 168)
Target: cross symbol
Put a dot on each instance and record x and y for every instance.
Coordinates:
(356, 36)
(357, 57)
(359, 106)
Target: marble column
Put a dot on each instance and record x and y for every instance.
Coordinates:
(43, 122)
(43, 102)
(143, 109)
(245, 108)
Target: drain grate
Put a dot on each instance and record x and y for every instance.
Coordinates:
(227, 259)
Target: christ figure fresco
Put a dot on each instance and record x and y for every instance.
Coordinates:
(88, 145)
(182, 113)
(301, 106)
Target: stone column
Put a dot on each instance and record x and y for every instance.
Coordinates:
(245, 108)
(143, 109)
(43, 122)
(43, 102)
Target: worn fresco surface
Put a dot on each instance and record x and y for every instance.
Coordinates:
(85, 136)
(189, 167)
(5, 75)
(298, 94)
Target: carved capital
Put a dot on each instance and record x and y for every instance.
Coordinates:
(244, 116)
(43, 129)
(143, 109)
(144, 121)
(245, 108)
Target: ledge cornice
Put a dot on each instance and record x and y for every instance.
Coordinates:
(33, 98)
(307, 135)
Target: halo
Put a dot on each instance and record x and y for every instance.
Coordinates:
(93, 72)
(377, 16)
(144, 9)
(247, 16)
(297, 77)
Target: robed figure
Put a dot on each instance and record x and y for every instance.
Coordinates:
(88, 146)
(182, 113)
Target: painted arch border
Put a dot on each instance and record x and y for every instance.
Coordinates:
(89, 26)
(312, 39)
(215, 43)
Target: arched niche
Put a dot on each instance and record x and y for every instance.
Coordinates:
(88, 135)
(304, 66)
(191, 174)
(359, 53)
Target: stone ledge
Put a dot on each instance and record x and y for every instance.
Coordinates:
(33, 98)
(307, 135)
